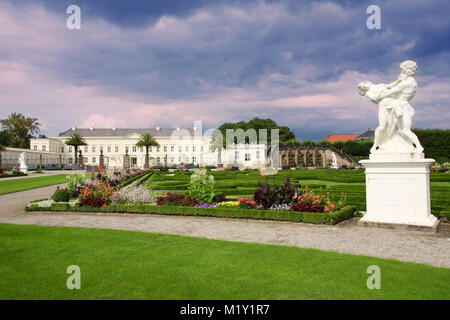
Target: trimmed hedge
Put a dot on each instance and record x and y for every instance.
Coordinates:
(12, 175)
(293, 216)
(129, 181)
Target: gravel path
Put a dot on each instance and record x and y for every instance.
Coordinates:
(347, 237)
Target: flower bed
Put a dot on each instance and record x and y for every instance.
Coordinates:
(270, 202)
(220, 212)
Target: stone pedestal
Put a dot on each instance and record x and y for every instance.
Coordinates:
(398, 190)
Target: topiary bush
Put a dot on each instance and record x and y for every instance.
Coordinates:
(61, 195)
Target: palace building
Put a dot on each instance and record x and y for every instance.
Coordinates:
(177, 147)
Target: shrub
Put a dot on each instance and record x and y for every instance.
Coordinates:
(245, 203)
(61, 195)
(306, 206)
(133, 195)
(228, 204)
(281, 207)
(173, 199)
(267, 196)
(202, 186)
(75, 182)
(96, 194)
(310, 202)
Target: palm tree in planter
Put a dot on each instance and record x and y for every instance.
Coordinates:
(147, 140)
(2, 148)
(76, 140)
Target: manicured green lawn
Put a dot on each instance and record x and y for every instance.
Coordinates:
(20, 184)
(133, 265)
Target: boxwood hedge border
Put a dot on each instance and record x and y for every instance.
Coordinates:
(292, 216)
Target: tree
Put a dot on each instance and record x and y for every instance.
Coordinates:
(76, 140)
(5, 138)
(285, 134)
(20, 129)
(147, 141)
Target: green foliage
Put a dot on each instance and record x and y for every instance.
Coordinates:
(5, 139)
(61, 195)
(308, 143)
(436, 143)
(285, 134)
(201, 186)
(19, 130)
(268, 196)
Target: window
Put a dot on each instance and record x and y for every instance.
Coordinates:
(116, 148)
(127, 149)
(165, 148)
(172, 159)
(150, 149)
(35, 147)
(70, 149)
(157, 149)
(93, 149)
(109, 149)
(86, 159)
(70, 160)
(85, 149)
(179, 148)
(194, 148)
(62, 149)
(257, 155)
(172, 149)
(187, 149)
(141, 149)
(101, 148)
(247, 157)
(93, 159)
(134, 148)
(44, 148)
(236, 155)
(158, 159)
(194, 159)
(179, 159)
(187, 158)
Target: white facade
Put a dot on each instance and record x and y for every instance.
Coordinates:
(177, 147)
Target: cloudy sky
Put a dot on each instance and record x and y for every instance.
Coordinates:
(167, 63)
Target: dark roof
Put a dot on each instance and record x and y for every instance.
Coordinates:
(369, 134)
(119, 132)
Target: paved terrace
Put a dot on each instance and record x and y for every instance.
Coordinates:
(414, 246)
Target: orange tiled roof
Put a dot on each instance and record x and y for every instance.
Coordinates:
(341, 137)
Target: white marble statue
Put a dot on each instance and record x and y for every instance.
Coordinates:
(334, 161)
(395, 114)
(22, 165)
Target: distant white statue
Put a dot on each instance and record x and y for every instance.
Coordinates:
(333, 161)
(395, 114)
(22, 165)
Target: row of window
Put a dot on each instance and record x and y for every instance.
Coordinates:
(158, 159)
(127, 149)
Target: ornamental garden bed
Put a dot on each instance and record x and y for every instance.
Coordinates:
(284, 202)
